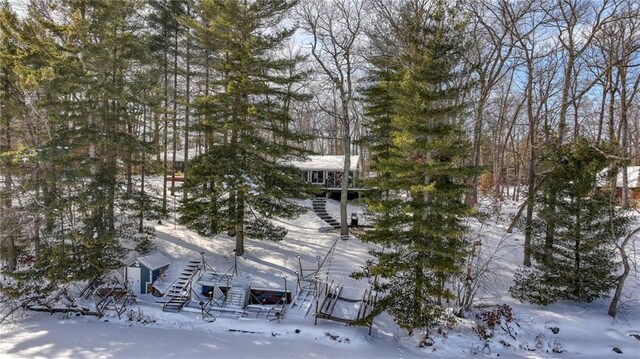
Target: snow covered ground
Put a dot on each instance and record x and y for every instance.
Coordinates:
(562, 330)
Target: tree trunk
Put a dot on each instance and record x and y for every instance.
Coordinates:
(165, 63)
(528, 232)
(564, 99)
(626, 268)
(601, 114)
(239, 225)
(174, 135)
(477, 136)
(624, 133)
(7, 223)
(344, 190)
(143, 165)
(187, 103)
(577, 279)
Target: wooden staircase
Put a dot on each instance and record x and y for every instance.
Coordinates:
(319, 207)
(236, 298)
(179, 294)
(303, 301)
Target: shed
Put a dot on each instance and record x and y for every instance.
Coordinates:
(142, 272)
(180, 163)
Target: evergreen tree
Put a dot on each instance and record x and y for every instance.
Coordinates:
(583, 226)
(379, 102)
(166, 30)
(419, 148)
(93, 48)
(11, 107)
(241, 181)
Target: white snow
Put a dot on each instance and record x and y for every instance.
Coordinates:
(154, 260)
(191, 152)
(585, 330)
(327, 163)
(633, 175)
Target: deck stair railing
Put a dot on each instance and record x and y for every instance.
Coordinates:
(115, 295)
(180, 291)
(236, 298)
(91, 287)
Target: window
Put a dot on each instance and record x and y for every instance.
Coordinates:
(333, 179)
(317, 177)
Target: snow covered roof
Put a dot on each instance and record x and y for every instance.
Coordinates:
(154, 260)
(331, 163)
(192, 152)
(633, 174)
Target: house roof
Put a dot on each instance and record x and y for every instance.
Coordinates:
(154, 260)
(633, 174)
(192, 152)
(331, 163)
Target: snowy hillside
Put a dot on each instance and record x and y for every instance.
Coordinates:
(563, 330)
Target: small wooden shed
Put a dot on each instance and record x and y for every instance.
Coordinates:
(180, 164)
(142, 272)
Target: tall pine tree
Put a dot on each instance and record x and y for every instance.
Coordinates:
(94, 49)
(11, 107)
(241, 181)
(419, 147)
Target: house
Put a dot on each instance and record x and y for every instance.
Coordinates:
(633, 177)
(180, 158)
(145, 270)
(327, 172)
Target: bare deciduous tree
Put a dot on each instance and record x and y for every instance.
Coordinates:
(335, 28)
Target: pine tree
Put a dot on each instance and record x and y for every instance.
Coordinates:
(379, 102)
(583, 227)
(93, 48)
(419, 147)
(11, 106)
(240, 182)
(163, 19)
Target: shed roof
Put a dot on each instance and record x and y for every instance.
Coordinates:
(154, 260)
(331, 163)
(192, 152)
(633, 174)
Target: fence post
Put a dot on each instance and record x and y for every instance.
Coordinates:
(235, 262)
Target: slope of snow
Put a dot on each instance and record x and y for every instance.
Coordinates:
(583, 329)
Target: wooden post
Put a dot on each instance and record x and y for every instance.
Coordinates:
(235, 262)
